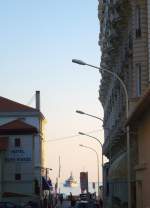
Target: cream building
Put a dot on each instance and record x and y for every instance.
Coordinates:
(21, 151)
(140, 123)
(125, 45)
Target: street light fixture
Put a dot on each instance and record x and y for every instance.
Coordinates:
(76, 61)
(87, 114)
(81, 145)
(80, 62)
(84, 134)
(81, 112)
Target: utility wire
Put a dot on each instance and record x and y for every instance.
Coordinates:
(71, 136)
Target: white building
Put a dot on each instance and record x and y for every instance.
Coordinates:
(21, 151)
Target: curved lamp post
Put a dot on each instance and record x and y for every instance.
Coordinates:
(80, 62)
(81, 145)
(81, 112)
(90, 115)
(84, 134)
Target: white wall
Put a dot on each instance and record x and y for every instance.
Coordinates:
(25, 185)
(34, 121)
(29, 169)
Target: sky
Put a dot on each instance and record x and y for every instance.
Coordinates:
(38, 40)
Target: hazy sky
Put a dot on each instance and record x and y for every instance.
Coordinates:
(38, 40)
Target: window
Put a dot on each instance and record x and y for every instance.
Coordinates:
(17, 176)
(17, 142)
(138, 80)
(138, 22)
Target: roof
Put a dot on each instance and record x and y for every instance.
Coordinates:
(17, 127)
(140, 109)
(7, 105)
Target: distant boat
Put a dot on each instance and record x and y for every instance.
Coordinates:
(70, 182)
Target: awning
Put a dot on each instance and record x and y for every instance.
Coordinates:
(45, 184)
(118, 169)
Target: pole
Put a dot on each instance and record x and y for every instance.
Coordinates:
(93, 116)
(127, 129)
(127, 116)
(100, 145)
(97, 167)
(101, 148)
(59, 176)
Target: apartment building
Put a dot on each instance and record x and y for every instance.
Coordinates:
(124, 42)
(21, 151)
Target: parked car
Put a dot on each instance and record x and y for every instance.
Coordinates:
(84, 197)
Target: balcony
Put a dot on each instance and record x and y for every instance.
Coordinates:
(113, 138)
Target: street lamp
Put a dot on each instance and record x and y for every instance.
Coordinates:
(81, 112)
(81, 145)
(84, 134)
(80, 62)
(87, 114)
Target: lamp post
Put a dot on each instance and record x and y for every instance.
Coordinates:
(80, 62)
(87, 114)
(84, 134)
(81, 112)
(81, 145)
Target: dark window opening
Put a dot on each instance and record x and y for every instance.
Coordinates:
(17, 176)
(138, 22)
(139, 80)
(17, 142)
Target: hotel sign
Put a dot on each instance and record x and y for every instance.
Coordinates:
(18, 155)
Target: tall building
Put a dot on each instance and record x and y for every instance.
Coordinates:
(125, 46)
(21, 151)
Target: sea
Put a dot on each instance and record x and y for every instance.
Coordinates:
(76, 190)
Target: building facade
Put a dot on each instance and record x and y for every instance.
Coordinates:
(139, 121)
(124, 40)
(21, 151)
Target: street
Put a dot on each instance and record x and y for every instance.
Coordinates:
(79, 204)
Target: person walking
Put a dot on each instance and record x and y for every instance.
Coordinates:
(61, 198)
(72, 200)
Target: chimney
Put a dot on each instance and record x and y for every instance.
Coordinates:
(38, 100)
